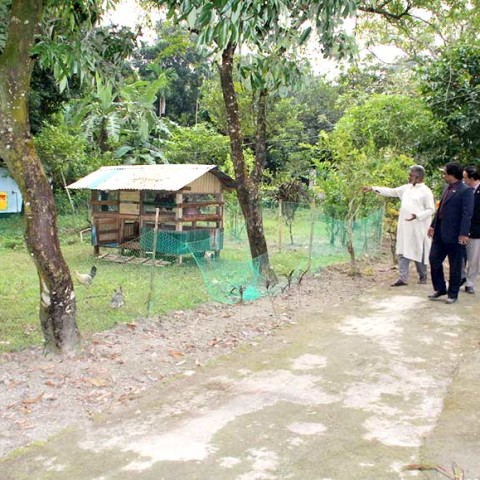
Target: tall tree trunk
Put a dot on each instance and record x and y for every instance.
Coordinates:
(247, 186)
(57, 297)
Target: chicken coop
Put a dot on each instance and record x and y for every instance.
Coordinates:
(174, 207)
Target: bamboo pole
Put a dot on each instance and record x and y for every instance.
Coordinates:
(280, 224)
(68, 191)
(312, 231)
(154, 257)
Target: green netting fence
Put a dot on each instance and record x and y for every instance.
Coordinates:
(189, 268)
(301, 240)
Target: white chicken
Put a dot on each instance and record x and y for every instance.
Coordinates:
(86, 278)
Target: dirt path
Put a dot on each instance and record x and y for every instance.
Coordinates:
(42, 395)
(341, 378)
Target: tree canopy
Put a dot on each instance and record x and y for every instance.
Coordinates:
(451, 88)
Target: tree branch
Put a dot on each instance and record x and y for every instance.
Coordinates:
(382, 9)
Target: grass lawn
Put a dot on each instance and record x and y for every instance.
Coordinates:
(148, 290)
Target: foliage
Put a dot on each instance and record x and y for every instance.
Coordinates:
(292, 194)
(175, 50)
(122, 118)
(397, 122)
(451, 87)
(315, 104)
(373, 143)
(45, 100)
(342, 182)
(63, 155)
(428, 26)
(212, 107)
(198, 144)
(359, 82)
(293, 120)
(238, 21)
(71, 45)
(284, 133)
(5, 6)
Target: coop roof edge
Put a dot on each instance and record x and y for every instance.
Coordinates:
(166, 177)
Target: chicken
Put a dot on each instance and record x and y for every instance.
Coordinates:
(86, 278)
(118, 300)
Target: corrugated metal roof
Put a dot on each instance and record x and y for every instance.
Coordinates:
(169, 177)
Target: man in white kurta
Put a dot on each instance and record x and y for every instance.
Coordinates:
(416, 210)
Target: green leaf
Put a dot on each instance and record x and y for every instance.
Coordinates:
(192, 18)
(206, 14)
(305, 35)
(120, 152)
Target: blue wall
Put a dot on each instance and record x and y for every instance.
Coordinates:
(10, 197)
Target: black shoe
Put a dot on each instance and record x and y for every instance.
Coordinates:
(470, 290)
(399, 283)
(462, 281)
(422, 280)
(451, 300)
(437, 294)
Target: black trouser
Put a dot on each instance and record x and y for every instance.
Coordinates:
(455, 253)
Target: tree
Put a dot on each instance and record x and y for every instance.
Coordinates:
(292, 193)
(57, 298)
(121, 116)
(228, 25)
(423, 28)
(175, 50)
(398, 122)
(374, 143)
(54, 33)
(63, 155)
(451, 88)
(45, 99)
(197, 144)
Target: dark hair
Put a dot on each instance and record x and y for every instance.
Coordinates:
(472, 172)
(454, 169)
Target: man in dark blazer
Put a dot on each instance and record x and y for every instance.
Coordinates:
(449, 231)
(471, 178)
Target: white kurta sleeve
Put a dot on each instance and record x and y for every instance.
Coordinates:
(390, 192)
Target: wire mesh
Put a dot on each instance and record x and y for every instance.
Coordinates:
(186, 269)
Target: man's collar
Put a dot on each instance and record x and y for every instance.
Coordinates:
(454, 184)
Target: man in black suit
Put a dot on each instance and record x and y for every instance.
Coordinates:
(471, 177)
(449, 230)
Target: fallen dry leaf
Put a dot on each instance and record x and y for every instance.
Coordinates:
(29, 401)
(97, 381)
(176, 354)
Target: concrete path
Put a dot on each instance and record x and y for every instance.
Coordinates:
(353, 391)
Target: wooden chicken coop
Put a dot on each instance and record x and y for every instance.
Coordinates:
(184, 201)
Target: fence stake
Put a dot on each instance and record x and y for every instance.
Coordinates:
(312, 230)
(154, 257)
(280, 223)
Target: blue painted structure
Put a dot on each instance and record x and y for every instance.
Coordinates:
(11, 200)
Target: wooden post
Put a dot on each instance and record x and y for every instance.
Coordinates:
(312, 230)
(178, 218)
(68, 191)
(280, 224)
(154, 257)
